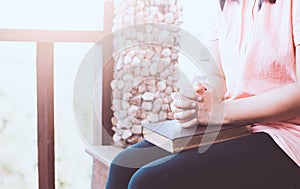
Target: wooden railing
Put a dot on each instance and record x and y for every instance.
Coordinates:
(45, 40)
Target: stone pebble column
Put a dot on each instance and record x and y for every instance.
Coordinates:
(145, 74)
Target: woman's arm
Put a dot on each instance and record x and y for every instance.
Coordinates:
(276, 105)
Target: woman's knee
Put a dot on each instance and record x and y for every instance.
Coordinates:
(143, 179)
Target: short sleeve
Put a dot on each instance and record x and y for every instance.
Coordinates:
(296, 21)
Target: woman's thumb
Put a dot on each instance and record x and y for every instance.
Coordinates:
(199, 87)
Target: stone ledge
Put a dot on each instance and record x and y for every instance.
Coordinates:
(102, 157)
(104, 154)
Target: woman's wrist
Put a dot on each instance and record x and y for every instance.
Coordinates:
(228, 120)
(232, 113)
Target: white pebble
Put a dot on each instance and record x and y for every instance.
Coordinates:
(146, 63)
(125, 105)
(132, 109)
(129, 20)
(148, 96)
(149, 82)
(153, 117)
(145, 72)
(153, 10)
(152, 88)
(153, 69)
(159, 17)
(136, 129)
(130, 53)
(130, 10)
(127, 60)
(147, 106)
(126, 134)
(166, 62)
(174, 56)
(128, 87)
(116, 138)
(127, 78)
(129, 43)
(173, 8)
(166, 52)
(157, 104)
(126, 96)
(167, 99)
(137, 79)
(144, 122)
(140, 114)
(114, 121)
(141, 54)
(160, 67)
(156, 58)
(116, 94)
(169, 18)
(146, 11)
(118, 20)
(120, 84)
(163, 116)
(169, 90)
(150, 19)
(149, 54)
(137, 71)
(140, 5)
(161, 85)
(170, 115)
(119, 64)
(157, 48)
(137, 100)
(142, 89)
(113, 84)
(165, 107)
(122, 114)
(136, 61)
(164, 75)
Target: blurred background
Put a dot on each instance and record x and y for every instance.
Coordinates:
(18, 122)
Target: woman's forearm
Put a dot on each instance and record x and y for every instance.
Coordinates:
(276, 105)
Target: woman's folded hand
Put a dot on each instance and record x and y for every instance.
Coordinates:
(194, 106)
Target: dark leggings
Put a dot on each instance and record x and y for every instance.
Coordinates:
(253, 161)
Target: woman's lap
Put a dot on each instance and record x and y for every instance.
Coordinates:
(250, 162)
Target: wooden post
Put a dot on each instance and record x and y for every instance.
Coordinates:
(107, 76)
(45, 108)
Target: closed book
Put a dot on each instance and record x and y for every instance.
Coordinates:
(170, 136)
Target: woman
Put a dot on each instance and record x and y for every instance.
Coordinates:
(258, 45)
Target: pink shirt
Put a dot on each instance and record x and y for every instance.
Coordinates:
(257, 49)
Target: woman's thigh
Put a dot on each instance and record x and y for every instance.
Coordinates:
(254, 161)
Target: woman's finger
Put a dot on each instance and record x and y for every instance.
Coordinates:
(188, 93)
(179, 96)
(185, 104)
(185, 115)
(188, 124)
